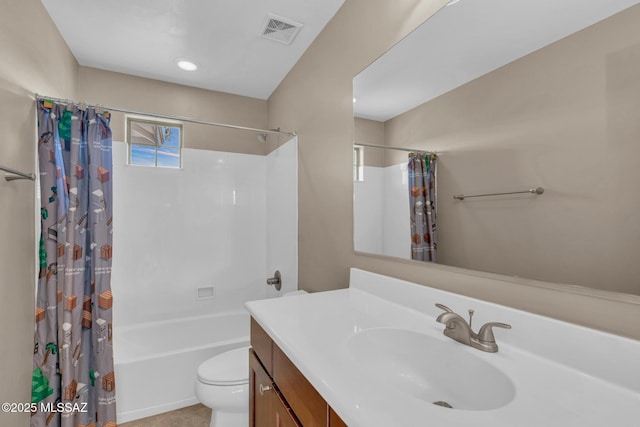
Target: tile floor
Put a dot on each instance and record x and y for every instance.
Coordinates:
(191, 416)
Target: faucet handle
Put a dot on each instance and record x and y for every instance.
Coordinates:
(444, 307)
(485, 333)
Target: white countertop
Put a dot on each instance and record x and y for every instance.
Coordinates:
(313, 331)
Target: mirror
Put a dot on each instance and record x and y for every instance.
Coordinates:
(511, 95)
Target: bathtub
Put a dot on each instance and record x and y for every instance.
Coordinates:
(156, 362)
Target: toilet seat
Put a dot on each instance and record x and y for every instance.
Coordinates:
(226, 369)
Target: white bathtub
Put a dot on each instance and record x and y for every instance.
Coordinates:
(156, 363)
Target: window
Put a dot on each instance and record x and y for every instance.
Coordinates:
(154, 143)
(358, 163)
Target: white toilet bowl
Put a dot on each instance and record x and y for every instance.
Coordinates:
(223, 386)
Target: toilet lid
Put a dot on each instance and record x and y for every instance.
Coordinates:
(228, 368)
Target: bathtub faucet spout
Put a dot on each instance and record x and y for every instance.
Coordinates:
(276, 280)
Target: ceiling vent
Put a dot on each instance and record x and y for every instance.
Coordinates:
(280, 29)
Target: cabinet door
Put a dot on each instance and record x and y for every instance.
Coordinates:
(260, 395)
(267, 408)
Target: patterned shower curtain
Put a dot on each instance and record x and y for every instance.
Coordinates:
(422, 203)
(73, 382)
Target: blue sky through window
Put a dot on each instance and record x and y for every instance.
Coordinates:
(169, 157)
(161, 150)
(174, 138)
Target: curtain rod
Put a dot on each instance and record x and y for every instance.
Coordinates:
(412, 150)
(162, 116)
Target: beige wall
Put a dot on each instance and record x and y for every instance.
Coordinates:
(315, 99)
(565, 118)
(154, 96)
(35, 59)
(370, 132)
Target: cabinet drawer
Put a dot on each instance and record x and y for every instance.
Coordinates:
(262, 345)
(310, 408)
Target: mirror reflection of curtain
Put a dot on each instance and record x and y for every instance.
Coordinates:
(73, 355)
(422, 203)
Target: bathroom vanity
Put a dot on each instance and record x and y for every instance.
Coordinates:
(374, 355)
(279, 394)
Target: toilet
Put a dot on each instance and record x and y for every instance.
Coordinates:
(223, 385)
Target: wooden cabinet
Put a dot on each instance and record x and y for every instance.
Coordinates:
(280, 395)
(335, 420)
(267, 407)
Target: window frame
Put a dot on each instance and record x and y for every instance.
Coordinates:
(358, 163)
(157, 122)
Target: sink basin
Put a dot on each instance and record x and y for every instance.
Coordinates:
(429, 369)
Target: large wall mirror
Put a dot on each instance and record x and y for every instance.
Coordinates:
(510, 95)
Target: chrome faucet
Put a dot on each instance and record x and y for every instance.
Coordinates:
(458, 329)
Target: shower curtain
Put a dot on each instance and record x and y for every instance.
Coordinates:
(421, 169)
(73, 381)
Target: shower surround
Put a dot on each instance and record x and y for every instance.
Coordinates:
(224, 221)
(381, 211)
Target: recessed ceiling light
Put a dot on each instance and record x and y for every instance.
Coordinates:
(354, 100)
(452, 2)
(186, 65)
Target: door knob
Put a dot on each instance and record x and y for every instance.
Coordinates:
(264, 389)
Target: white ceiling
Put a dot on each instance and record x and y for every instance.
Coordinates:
(464, 41)
(145, 37)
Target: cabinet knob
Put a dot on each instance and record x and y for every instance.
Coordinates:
(264, 388)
